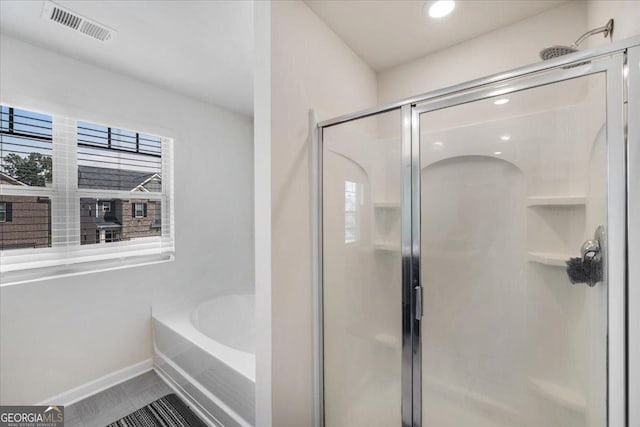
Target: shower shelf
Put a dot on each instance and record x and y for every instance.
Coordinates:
(386, 246)
(561, 395)
(386, 205)
(382, 339)
(556, 201)
(547, 258)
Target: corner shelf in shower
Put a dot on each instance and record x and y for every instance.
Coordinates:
(556, 201)
(382, 339)
(386, 246)
(386, 205)
(559, 394)
(548, 258)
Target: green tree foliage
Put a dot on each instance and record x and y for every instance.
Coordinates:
(34, 170)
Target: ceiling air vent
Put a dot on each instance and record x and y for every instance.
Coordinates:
(76, 22)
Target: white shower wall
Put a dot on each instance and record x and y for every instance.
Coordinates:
(532, 347)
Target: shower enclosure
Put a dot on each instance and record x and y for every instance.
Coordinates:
(472, 251)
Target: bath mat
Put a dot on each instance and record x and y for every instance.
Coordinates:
(168, 411)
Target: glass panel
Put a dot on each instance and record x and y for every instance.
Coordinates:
(362, 272)
(510, 190)
(114, 220)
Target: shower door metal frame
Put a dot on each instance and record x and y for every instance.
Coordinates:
(530, 76)
(633, 229)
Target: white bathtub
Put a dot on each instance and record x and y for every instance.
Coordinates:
(209, 352)
(230, 321)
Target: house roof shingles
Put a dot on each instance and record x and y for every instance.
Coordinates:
(111, 179)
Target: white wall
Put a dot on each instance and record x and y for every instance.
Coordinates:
(509, 47)
(500, 50)
(310, 68)
(626, 16)
(58, 334)
(262, 207)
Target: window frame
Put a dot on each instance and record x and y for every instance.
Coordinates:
(3, 212)
(135, 210)
(67, 256)
(106, 204)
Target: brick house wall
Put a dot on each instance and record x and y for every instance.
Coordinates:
(138, 227)
(30, 225)
(121, 213)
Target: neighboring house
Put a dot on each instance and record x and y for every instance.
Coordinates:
(24, 220)
(9, 180)
(118, 179)
(107, 220)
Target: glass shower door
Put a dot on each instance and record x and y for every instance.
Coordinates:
(362, 294)
(514, 255)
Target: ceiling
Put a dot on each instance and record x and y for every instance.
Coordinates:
(387, 33)
(203, 49)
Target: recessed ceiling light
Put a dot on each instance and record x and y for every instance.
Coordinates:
(497, 153)
(501, 101)
(440, 8)
(505, 137)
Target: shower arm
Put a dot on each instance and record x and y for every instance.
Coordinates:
(607, 30)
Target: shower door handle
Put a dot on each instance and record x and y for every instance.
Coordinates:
(417, 295)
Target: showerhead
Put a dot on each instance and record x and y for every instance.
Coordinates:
(556, 51)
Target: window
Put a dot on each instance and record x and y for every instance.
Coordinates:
(353, 199)
(111, 236)
(76, 193)
(26, 148)
(140, 210)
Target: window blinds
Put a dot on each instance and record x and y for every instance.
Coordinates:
(88, 167)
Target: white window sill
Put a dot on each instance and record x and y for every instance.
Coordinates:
(48, 272)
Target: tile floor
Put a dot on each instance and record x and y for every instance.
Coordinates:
(114, 403)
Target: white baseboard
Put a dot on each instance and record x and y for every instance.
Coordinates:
(70, 397)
